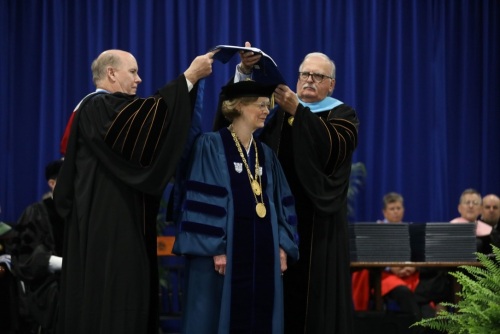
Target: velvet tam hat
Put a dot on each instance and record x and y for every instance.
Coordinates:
(52, 169)
(265, 70)
(247, 88)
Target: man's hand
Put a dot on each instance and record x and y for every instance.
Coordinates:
(248, 59)
(286, 98)
(200, 68)
(403, 271)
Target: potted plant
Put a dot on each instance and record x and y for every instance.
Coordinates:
(478, 310)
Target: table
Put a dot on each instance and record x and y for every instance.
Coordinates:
(377, 267)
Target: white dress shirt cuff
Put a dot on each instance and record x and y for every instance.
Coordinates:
(55, 263)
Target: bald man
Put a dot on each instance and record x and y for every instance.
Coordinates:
(121, 152)
(491, 210)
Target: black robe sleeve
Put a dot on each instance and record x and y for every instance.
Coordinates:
(33, 244)
(323, 144)
(137, 140)
(323, 154)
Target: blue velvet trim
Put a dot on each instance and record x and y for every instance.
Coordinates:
(205, 208)
(288, 201)
(193, 227)
(292, 220)
(206, 188)
(326, 104)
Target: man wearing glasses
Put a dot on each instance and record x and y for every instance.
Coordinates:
(314, 136)
(470, 207)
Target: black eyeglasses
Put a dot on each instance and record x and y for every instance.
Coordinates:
(317, 77)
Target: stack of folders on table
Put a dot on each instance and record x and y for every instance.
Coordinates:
(372, 242)
(447, 242)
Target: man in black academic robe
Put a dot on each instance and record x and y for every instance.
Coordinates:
(36, 253)
(122, 151)
(314, 136)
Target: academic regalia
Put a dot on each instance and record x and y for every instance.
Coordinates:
(485, 235)
(218, 218)
(122, 151)
(316, 154)
(39, 235)
(9, 311)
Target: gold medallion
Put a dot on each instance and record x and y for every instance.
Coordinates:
(290, 120)
(256, 187)
(260, 208)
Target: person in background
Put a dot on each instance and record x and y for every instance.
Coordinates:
(491, 210)
(398, 284)
(491, 216)
(314, 136)
(395, 279)
(9, 315)
(237, 228)
(121, 153)
(36, 253)
(470, 207)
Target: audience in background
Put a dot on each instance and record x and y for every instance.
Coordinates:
(37, 258)
(470, 208)
(491, 210)
(398, 283)
(8, 295)
(491, 216)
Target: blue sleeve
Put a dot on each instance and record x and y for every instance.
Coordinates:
(202, 225)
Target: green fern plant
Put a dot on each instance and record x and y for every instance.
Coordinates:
(478, 310)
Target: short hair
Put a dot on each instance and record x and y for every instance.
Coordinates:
(470, 191)
(322, 55)
(391, 197)
(52, 169)
(100, 64)
(229, 106)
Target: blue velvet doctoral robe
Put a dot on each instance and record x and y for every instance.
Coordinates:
(219, 217)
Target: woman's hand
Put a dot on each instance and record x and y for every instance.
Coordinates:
(283, 261)
(220, 263)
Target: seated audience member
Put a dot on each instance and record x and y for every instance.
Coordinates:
(491, 210)
(36, 256)
(470, 208)
(398, 283)
(491, 216)
(8, 314)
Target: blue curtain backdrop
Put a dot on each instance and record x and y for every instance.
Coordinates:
(423, 75)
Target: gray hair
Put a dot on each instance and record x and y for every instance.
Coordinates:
(101, 63)
(322, 55)
(470, 191)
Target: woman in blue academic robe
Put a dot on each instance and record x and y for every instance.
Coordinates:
(237, 228)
